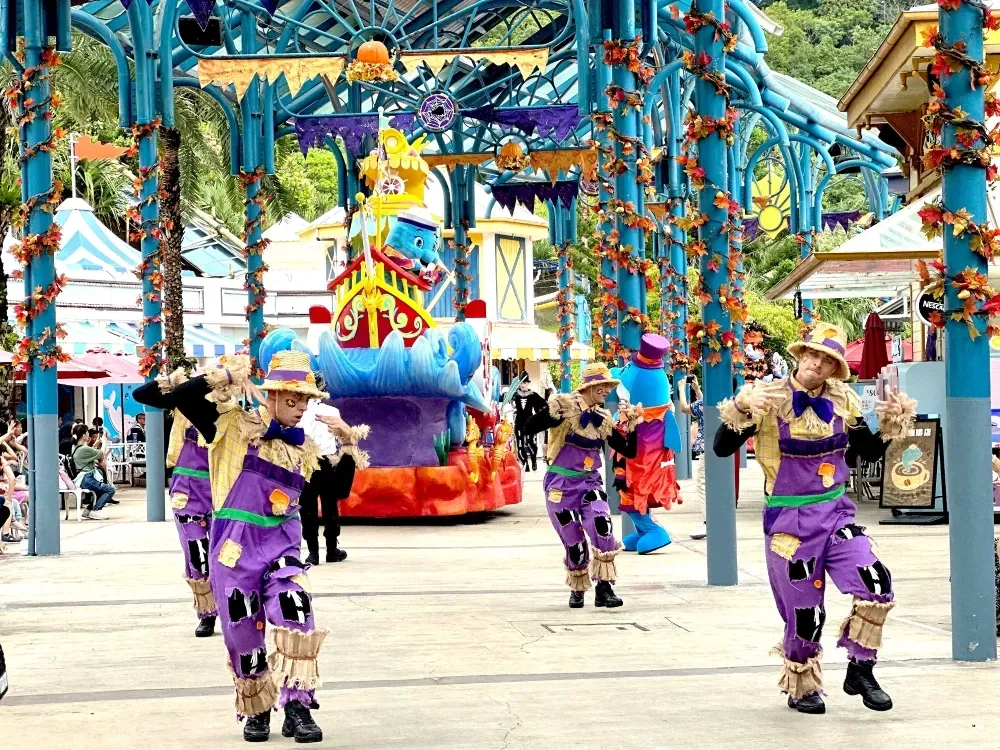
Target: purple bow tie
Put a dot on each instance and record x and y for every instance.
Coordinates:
(822, 406)
(591, 418)
(292, 435)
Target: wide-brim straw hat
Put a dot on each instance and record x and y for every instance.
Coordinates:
(291, 371)
(596, 373)
(827, 339)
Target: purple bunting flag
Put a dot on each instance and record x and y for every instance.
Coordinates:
(202, 10)
(558, 120)
(511, 193)
(312, 131)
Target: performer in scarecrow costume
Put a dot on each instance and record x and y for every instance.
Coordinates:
(804, 426)
(579, 427)
(190, 491)
(259, 462)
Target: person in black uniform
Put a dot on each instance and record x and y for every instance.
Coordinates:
(527, 403)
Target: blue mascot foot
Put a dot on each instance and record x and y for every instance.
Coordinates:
(630, 541)
(654, 539)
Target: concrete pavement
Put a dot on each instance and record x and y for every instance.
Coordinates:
(457, 635)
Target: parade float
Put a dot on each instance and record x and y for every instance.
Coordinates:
(437, 444)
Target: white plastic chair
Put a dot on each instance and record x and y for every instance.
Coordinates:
(73, 489)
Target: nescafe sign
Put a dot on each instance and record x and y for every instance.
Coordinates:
(926, 305)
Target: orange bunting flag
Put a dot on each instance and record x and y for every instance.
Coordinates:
(88, 148)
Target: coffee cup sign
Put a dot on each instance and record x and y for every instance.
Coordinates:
(926, 305)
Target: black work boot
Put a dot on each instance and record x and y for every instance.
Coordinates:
(808, 704)
(299, 724)
(334, 554)
(313, 557)
(258, 728)
(605, 596)
(206, 628)
(575, 599)
(861, 681)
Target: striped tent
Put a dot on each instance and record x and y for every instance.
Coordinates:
(88, 245)
(198, 340)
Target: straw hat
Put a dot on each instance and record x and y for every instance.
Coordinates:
(826, 339)
(596, 373)
(291, 371)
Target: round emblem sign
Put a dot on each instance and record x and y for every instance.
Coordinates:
(926, 305)
(437, 112)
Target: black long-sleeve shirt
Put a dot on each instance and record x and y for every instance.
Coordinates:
(626, 445)
(861, 442)
(332, 482)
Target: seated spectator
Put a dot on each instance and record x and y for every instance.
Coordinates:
(138, 432)
(15, 495)
(91, 471)
(66, 440)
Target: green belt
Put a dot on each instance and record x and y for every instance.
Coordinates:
(569, 472)
(268, 522)
(797, 501)
(197, 473)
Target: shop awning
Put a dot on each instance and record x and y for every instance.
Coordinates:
(198, 341)
(82, 336)
(514, 341)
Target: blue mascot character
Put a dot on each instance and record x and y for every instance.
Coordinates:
(413, 244)
(650, 479)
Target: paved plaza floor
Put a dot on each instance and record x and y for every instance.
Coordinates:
(457, 635)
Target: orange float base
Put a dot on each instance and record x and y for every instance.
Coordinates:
(412, 491)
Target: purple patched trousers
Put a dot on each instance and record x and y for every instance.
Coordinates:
(578, 508)
(805, 544)
(191, 500)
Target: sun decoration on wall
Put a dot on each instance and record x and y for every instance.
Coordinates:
(772, 203)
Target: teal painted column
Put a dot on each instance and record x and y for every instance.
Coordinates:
(967, 379)
(36, 176)
(566, 292)
(720, 491)
(735, 181)
(141, 23)
(460, 213)
(253, 151)
(677, 191)
(609, 314)
(806, 191)
(631, 288)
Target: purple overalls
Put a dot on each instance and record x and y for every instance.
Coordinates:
(191, 499)
(810, 531)
(257, 577)
(576, 502)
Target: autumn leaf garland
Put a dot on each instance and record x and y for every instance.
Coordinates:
(973, 142)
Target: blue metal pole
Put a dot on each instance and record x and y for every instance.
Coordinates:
(36, 173)
(735, 179)
(677, 191)
(609, 317)
(631, 288)
(967, 379)
(459, 197)
(806, 191)
(252, 159)
(566, 293)
(720, 490)
(140, 21)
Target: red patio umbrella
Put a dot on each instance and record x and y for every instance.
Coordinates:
(873, 354)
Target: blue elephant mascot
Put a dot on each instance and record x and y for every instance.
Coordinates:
(650, 479)
(412, 244)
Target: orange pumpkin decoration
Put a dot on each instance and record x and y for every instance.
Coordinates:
(373, 51)
(511, 150)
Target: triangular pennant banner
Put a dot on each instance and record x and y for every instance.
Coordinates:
(270, 5)
(509, 194)
(557, 120)
(240, 71)
(563, 160)
(451, 160)
(201, 9)
(525, 61)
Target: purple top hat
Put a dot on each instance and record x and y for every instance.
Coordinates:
(652, 347)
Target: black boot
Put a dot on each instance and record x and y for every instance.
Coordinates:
(575, 599)
(861, 681)
(206, 628)
(313, 557)
(808, 704)
(299, 724)
(258, 728)
(605, 596)
(333, 554)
